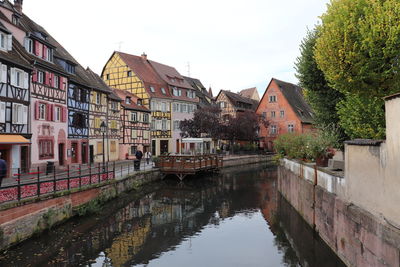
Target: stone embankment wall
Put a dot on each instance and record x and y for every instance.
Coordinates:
(357, 236)
(21, 220)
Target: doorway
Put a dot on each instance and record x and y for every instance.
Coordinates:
(24, 159)
(153, 147)
(177, 146)
(163, 147)
(74, 152)
(61, 154)
(84, 152)
(91, 153)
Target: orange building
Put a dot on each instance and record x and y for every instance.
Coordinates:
(286, 110)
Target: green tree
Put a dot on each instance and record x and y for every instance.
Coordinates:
(321, 97)
(358, 50)
(362, 116)
(358, 46)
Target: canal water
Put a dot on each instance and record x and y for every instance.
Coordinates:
(236, 218)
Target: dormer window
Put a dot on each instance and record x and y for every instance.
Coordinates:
(29, 45)
(15, 20)
(70, 68)
(128, 100)
(152, 89)
(107, 76)
(163, 90)
(139, 102)
(49, 55)
(129, 73)
(5, 41)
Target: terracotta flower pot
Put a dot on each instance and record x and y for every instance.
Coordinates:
(322, 161)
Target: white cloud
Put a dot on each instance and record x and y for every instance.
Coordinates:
(229, 44)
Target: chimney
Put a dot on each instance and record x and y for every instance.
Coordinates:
(18, 5)
(144, 56)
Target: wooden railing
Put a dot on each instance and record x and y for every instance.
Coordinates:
(189, 164)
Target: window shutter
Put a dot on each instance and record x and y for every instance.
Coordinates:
(25, 114)
(37, 110)
(168, 125)
(26, 80)
(37, 48)
(48, 112)
(3, 73)
(44, 56)
(9, 42)
(12, 76)
(20, 112)
(35, 76)
(2, 112)
(47, 79)
(64, 114)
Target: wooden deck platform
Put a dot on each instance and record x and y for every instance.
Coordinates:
(183, 165)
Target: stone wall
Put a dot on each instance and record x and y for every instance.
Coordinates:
(19, 221)
(358, 237)
(234, 161)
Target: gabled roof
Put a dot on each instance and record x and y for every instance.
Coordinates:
(250, 93)
(195, 84)
(122, 94)
(170, 75)
(294, 95)
(14, 56)
(236, 99)
(97, 82)
(142, 68)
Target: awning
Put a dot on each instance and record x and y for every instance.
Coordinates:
(13, 139)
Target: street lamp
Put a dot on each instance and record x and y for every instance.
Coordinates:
(103, 129)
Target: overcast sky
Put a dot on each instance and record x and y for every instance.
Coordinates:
(228, 44)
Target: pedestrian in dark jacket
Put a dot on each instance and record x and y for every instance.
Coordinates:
(138, 156)
(3, 169)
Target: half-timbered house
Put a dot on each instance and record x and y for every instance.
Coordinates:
(15, 132)
(47, 89)
(135, 125)
(184, 100)
(98, 111)
(232, 103)
(136, 75)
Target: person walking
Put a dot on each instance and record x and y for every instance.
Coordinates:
(3, 169)
(147, 156)
(139, 156)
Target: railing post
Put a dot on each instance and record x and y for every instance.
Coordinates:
(68, 177)
(54, 179)
(90, 173)
(114, 170)
(98, 174)
(38, 181)
(19, 185)
(80, 176)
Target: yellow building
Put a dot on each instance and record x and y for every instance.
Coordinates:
(136, 75)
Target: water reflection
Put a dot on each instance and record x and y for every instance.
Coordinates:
(234, 219)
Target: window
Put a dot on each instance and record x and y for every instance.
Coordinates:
(282, 113)
(49, 55)
(70, 68)
(146, 118)
(264, 115)
(290, 128)
(129, 73)
(175, 91)
(3, 41)
(19, 78)
(79, 120)
(29, 45)
(128, 100)
(272, 98)
(42, 111)
(222, 104)
(98, 98)
(163, 90)
(183, 108)
(46, 149)
(273, 129)
(107, 76)
(140, 102)
(113, 146)
(15, 20)
(163, 106)
(57, 113)
(146, 135)
(84, 95)
(76, 94)
(152, 89)
(40, 77)
(272, 114)
(2, 112)
(133, 150)
(163, 125)
(176, 125)
(56, 82)
(113, 105)
(133, 116)
(19, 114)
(100, 148)
(134, 134)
